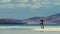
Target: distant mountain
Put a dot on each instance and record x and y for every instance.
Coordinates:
(10, 21)
(54, 18)
(33, 20)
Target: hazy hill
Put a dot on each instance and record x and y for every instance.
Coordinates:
(33, 20)
(10, 21)
(52, 19)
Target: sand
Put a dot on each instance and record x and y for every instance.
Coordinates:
(47, 29)
(34, 28)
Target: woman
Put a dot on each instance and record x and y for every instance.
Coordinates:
(42, 25)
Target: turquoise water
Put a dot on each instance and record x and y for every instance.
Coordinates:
(29, 24)
(24, 29)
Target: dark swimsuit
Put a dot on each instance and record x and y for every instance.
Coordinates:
(42, 25)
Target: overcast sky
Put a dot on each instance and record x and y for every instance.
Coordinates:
(22, 9)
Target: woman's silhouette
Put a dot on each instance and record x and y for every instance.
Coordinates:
(42, 25)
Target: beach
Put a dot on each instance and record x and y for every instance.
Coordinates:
(29, 29)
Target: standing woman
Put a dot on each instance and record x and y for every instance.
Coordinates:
(42, 25)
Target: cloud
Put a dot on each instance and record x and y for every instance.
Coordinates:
(36, 6)
(46, 2)
(50, 2)
(21, 0)
(35, 0)
(24, 4)
(11, 5)
(20, 5)
(7, 5)
(5, 0)
(56, 3)
(47, 6)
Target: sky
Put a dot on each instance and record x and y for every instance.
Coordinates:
(22, 9)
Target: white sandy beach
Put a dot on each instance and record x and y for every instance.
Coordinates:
(34, 28)
(47, 29)
(29, 30)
